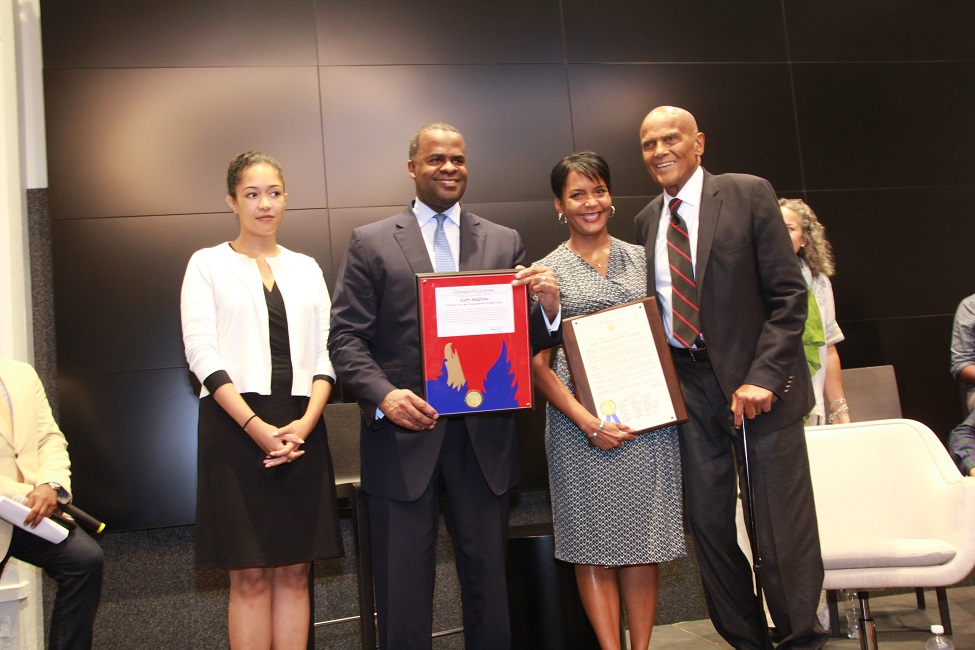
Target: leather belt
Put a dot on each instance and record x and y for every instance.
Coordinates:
(694, 354)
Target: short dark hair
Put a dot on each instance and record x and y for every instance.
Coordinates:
(242, 161)
(432, 126)
(588, 163)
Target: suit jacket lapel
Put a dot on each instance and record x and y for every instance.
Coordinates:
(9, 384)
(653, 226)
(707, 223)
(471, 242)
(407, 234)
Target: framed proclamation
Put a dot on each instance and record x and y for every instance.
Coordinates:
(621, 366)
(474, 342)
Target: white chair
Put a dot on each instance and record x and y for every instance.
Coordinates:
(893, 510)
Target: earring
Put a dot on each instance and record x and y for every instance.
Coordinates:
(612, 211)
(563, 218)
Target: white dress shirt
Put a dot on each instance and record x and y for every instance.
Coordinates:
(426, 217)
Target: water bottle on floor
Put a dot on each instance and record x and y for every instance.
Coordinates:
(939, 641)
(853, 618)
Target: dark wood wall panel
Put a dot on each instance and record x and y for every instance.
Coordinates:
(899, 252)
(656, 30)
(881, 30)
(498, 109)
(116, 299)
(869, 125)
(132, 440)
(178, 33)
(352, 32)
(861, 108)
(156, 141)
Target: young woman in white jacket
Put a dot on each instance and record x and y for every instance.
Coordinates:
(255, 324)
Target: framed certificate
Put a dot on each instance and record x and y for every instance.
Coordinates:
(621, 366)
(474, 342)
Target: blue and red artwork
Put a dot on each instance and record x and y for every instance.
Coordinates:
(478, 373)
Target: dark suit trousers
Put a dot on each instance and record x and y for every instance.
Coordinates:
(76, 566)
(404, 539)
(712, 459)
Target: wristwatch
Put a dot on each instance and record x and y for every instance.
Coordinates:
(63, 496)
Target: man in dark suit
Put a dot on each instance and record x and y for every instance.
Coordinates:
(410, 454)
(734, 318)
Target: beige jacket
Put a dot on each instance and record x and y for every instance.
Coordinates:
(35, 451)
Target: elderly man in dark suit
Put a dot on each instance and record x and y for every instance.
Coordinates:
(734, 306)
(410, 454)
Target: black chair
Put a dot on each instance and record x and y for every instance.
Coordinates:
(342, 422)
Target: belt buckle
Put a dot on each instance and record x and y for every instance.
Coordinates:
(698, 354)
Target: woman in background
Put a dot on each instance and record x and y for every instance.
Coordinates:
(616, 496)
(816, 260)
(255, 322)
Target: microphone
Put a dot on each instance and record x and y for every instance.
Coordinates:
(66, 522)
(75, 514)
(89, 523)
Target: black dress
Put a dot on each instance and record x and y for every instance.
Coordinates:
(249, 515)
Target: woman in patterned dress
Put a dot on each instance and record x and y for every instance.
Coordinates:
(616, 496)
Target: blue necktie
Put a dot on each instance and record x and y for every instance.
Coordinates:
(444, 260)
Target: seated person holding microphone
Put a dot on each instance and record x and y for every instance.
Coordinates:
(34, 466)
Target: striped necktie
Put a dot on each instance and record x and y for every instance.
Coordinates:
(443, 259)
(687, 319)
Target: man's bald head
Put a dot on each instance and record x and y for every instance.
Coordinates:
(672, 146)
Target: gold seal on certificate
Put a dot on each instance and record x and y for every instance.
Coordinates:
(473, 399)
(607, 408)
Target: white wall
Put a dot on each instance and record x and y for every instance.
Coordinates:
(22, 165)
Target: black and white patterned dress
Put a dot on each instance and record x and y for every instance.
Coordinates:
(618, 507)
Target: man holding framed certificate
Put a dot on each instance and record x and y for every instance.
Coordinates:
(409, 454)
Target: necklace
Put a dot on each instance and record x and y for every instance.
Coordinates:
(592, 256)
